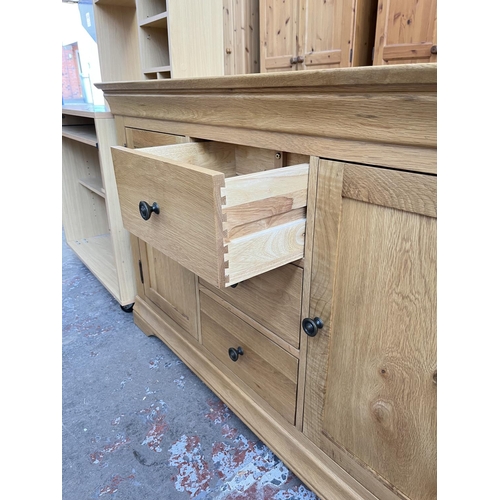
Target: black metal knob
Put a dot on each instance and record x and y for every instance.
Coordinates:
(234, 354)
(310, 326)
(146, 209)
(434, 49)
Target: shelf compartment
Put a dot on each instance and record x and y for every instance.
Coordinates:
(97, 254)
(94, 184)
(155, 55)
(118, 3)
(158, 21)
(84, 212)
(160, 72)
(150, 8)
(81, 133)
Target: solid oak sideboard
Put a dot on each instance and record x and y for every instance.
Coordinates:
(285, 249)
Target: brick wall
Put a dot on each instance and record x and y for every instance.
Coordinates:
(71, 84)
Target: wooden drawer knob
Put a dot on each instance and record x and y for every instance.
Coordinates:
(234, 354)
(311, 326)
(146, 209)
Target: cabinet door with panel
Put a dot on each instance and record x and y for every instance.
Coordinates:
(406, 32)
(325, 33)
(308, 34)
(279, 21)
(164, 282)
(370, 389)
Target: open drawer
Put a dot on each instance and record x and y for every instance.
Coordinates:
(222, 226)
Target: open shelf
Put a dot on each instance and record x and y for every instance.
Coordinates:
(158, 21)
(97, 254)
(154, 49)
(119, 3)
(90, 213)
(150, 8)
(81, 133)
(94, 184)
(159, 70)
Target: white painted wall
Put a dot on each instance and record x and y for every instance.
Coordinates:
(72, 31)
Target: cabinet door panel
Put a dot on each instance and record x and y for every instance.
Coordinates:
(406, 32)
(170, 287)
(326, 33)
(278, 34)
(371, 370)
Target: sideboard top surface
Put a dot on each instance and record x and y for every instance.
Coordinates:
(366, 76)
(377, 115)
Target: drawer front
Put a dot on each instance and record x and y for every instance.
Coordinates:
(264, 367)
(273, 299)
(224, 229)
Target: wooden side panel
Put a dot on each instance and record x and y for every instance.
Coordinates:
(241, 37)
(365, 20)
(278, 34)
(196, 38)
(263, 224)
(122, 252)
(406, 32)
(326, 31)
(374, 286)
(118, 42)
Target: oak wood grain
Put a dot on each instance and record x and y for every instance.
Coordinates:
(272, 299)
(265, 367)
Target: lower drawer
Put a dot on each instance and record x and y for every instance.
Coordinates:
(261, 364)
(273, 299)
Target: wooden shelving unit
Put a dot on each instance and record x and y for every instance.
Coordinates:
(153, 38)
(91, 214)
(157, 39)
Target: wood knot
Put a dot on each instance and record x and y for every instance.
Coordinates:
(383, 413)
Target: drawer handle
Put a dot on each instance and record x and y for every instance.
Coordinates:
(145, 209)
(234, 354)
(310, 326)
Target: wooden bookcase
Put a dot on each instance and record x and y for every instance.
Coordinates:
(158, 39)
(90, 208)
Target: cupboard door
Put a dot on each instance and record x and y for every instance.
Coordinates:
(370, 391)
(406, 32)
(325, 33)
(171, 287)
(278, 34)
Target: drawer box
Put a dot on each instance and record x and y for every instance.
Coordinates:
(272, 299)
(223, 227)
(264, 366)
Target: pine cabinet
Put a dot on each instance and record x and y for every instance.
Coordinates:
(308, 34)
(406, 32)
(330, 356)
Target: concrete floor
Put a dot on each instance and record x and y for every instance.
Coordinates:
(138, 424)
